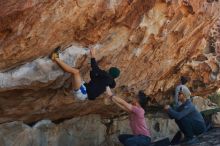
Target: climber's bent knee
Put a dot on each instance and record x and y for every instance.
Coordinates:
(80, 93)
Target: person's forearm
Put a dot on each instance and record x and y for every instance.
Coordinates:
(119, 105)
(94, 65)
(122, 102)
(179, 115)
(118, 100)
(93, 62)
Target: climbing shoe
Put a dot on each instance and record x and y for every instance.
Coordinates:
(55, 53)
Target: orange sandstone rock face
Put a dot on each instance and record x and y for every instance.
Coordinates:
(36, 27)
(153, 42)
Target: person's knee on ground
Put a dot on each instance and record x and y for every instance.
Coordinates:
(198, 128)
(130, 142)
(137, 140)
(185, 127)
(190, 128)
(123, 137)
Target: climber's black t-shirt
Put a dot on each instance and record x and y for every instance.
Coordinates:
(100, 79)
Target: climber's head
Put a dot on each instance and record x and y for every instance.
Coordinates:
(114, 72)
(141, 99)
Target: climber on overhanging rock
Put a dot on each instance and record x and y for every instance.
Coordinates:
(141, 133)
(188, 119)
(182, 85)
(100, 79)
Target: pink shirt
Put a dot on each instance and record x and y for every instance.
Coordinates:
(137, 121)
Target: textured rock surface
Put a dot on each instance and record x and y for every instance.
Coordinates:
(203, 104)
(153, 42)
(76, 132)
(85, 131)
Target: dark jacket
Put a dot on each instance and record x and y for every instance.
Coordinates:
(187, 109)
(100, 79)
